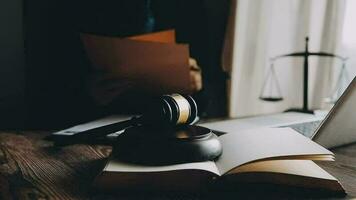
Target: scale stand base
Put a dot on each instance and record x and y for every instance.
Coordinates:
(301, 110)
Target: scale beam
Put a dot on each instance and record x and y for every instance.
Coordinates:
(303, 54)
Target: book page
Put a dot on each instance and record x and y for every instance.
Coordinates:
(294, 167)
(297, 173)
(115, 165)
(266, 143)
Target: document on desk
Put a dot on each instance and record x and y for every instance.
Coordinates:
(92, 124)
(270, 120)
(152, 62)
(266, 155)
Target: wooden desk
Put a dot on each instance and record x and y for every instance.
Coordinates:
(31, 168)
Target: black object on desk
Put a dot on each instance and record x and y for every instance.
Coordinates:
(181, 144)
(164, 134)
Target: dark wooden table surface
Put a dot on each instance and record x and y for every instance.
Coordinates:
(31, 168)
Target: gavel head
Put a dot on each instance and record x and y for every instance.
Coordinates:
(171, 110)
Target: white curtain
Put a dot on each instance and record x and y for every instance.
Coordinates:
(266, 28)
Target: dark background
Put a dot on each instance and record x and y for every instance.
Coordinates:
(43, 67)
(12, 60)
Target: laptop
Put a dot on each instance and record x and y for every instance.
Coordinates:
(339, 126)
(336, 128)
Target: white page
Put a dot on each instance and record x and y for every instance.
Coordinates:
(121, 166)
(242, 147)
(295, 167)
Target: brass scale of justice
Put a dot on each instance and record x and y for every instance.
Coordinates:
(272, 81)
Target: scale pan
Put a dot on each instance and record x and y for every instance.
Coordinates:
(272, 99)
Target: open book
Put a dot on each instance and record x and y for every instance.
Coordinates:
(268, 155)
